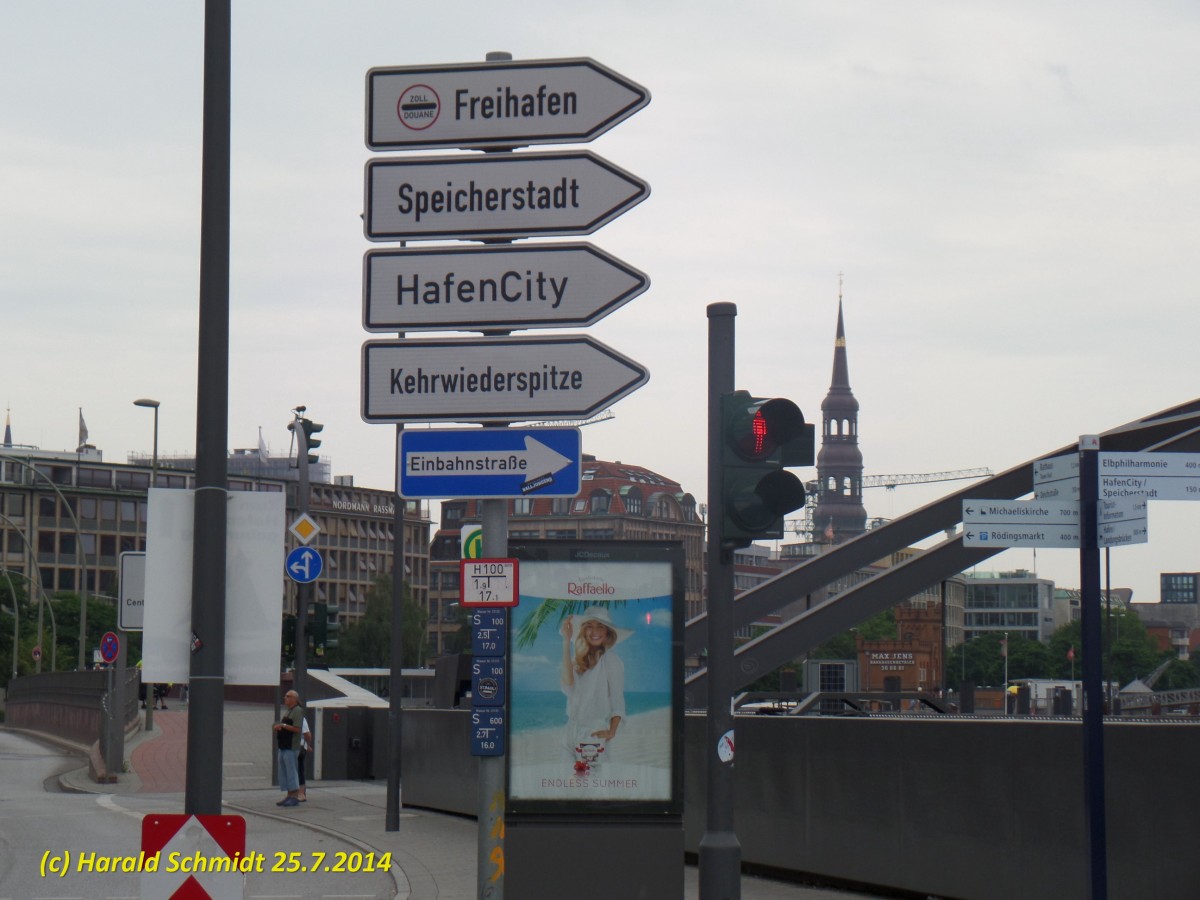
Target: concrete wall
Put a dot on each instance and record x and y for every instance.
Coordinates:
(978, 809)
(69, 705)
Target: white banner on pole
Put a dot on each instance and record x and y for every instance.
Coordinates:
(254, 553)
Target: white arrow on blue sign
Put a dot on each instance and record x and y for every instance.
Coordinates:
(304, 564)
(490, 462)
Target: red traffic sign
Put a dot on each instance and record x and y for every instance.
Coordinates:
(110, 646)
(547, 101)
(496, 196)
(37, 653)
(185, 839)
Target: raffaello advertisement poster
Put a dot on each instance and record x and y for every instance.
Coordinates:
(594, 697)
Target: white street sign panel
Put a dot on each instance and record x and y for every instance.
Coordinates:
(488, 582)
(465, 288)
(132, 580)
(552, 101)
(501, 196)
(1056, 478)
(1152, 476)
(1020, 523)
(503, 379)
(1122, 521)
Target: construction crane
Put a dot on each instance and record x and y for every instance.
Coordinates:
(812, 490)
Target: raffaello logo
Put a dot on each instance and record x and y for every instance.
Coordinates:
(587, 589)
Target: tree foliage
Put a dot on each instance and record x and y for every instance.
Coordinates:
(61, 618)
(368, 642)
(1135, 654)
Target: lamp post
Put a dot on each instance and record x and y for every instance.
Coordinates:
(147, 403)
(152, 404)
(44, 600)
(80, 557)
(16, 624)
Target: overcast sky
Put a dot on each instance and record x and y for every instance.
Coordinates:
(1010, 191)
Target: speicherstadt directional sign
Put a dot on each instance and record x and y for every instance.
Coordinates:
(510, 195)
(509, 103)
(487, 378)
(523, 286)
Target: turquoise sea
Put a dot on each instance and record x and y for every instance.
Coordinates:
(528, 710)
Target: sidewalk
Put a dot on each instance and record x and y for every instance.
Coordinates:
(433, 854)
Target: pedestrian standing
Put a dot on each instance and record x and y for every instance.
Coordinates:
(287, 740)
(302, 755)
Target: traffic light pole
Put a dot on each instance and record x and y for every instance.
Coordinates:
(304, 590)
(720, 853)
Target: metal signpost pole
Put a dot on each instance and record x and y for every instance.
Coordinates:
(206, 706)
(492, 788)
(396, 658)
(1093, 666)
(720, 853)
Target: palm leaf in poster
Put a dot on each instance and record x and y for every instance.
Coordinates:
(532, 626)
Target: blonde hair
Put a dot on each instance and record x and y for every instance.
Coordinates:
(587, 656)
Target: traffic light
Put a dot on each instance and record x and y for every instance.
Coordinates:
(760, 437)
(316, 627)
(288, 642)
(332, 626)
(310, 428)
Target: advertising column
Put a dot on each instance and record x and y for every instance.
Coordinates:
(596, 719)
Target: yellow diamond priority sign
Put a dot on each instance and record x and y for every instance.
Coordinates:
(305, 528)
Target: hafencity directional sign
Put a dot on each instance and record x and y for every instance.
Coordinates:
(509, 195)
(503, 379)
(525, 286)
(1150, 476)
(1020, 523)
(490, 462)
(556, 101)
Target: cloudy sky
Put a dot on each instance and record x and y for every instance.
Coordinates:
(1009, 193)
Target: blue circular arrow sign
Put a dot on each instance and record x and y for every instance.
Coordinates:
(304, 564)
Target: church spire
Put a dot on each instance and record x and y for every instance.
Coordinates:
(839, 463)
(8, 427)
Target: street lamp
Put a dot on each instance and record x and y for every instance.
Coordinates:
(152, 404)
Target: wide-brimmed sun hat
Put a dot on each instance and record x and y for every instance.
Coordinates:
(601, 614)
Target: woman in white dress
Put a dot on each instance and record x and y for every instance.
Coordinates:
(593, 678)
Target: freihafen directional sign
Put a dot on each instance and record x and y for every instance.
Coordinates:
(506, 196)
(504, 379)
(525, 286)
(558, 101)
(490, 462)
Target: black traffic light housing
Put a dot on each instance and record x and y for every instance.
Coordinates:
(310, 428)
(760, 438)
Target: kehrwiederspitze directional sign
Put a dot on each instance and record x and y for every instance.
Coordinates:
(556, 101)
(524, 286)
(504, 379)
(511, 195)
